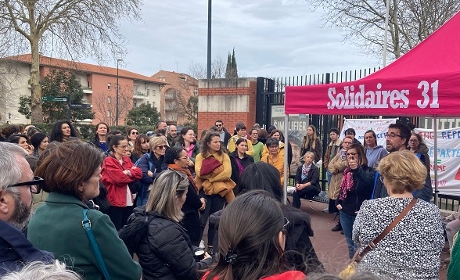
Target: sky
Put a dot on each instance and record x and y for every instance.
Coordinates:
(272, 38)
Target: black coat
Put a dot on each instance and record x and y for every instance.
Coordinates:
(162, 245)
(245, 162)
(191, 220)
(363, 184)
(312, 177)
(299, 250)
(298, 241)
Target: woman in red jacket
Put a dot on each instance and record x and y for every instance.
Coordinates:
(117, 172)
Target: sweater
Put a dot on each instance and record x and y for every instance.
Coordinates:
(374, 155)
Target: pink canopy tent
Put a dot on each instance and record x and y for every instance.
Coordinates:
(423, 82)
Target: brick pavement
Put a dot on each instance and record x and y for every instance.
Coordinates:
(330, 246)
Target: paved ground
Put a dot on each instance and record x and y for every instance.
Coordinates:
(331, 246)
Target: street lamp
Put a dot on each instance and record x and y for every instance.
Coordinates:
(208, 62)
(116, 89)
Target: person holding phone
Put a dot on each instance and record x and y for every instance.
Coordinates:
(356, 186)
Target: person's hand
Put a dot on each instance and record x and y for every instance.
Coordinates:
(150, 173)
(353, 163)
(206, 255)
(339, 206)
(191, 164)
(126, 172)
(203, 204)
(298, 187)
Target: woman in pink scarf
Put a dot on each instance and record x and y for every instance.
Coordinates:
(357, 184)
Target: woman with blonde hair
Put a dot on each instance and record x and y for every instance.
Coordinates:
(307, 180)
(411, 250)
(151, 164)
(154, 232)
(312, 143)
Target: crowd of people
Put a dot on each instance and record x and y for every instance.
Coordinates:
(211, 208)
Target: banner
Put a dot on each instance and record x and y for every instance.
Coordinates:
(297, 127)
(379, 126)
(448, 158)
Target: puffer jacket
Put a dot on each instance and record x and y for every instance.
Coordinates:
(162, 245)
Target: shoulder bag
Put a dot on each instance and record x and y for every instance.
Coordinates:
(351, 268)
(86, 224)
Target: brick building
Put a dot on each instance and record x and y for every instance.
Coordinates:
(175, 97)
(99, 84)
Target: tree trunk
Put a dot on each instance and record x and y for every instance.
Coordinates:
(34, 82)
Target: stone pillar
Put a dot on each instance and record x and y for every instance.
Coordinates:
(229, 100)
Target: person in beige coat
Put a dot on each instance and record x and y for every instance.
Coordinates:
(336, 166)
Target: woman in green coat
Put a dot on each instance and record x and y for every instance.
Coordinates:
(72, 173)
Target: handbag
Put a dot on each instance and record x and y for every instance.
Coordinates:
(86, 224)
(351, 268)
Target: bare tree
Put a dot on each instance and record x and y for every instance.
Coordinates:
(218, 67)
(72, 28)
(410, 22)
(187, 100)
(105, 105)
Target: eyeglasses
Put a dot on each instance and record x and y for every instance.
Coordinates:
(352, 154)
(286, 223)
(392, 135)
(162, 147)
(413, 141)
(34, 185)
(218, 125)
(134, 132)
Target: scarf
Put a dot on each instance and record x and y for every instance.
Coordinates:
(305, 171)
(347, 183)
(343, 154)
(186, 171)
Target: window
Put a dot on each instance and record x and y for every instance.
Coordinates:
(109, 100)
(109, 85)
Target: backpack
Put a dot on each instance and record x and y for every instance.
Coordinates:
(148, 160)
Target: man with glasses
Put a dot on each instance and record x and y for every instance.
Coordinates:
(17, 183)
(223, 133)
(397, 138)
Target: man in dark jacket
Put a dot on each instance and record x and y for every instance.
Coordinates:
(224, 135)
(397, 138)
(17, 183)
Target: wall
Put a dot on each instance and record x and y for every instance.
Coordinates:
(15, 78)
(229, 100)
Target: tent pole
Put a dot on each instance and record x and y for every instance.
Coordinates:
(435, 159)
(286, 167)
(385, 43)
